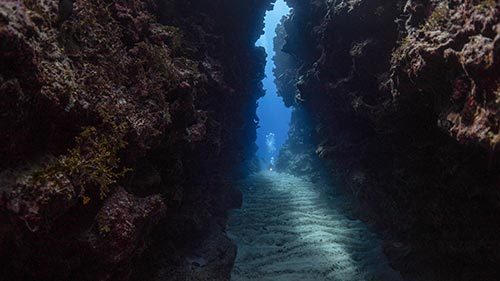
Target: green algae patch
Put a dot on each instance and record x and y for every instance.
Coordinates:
(93, 161)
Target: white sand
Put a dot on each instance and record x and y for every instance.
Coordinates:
(286, 231)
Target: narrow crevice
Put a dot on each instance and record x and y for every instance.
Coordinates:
(130, 131)
(274, 116)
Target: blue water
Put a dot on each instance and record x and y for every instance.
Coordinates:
(274, 116)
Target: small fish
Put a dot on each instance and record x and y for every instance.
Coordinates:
(65, 10)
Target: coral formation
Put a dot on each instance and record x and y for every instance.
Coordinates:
(403, 101)
(111, 111)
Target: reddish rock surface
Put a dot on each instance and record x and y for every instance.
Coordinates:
(451, 56)
(110, 112)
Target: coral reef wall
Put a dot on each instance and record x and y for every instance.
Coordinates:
(403, 99)
(122, 123)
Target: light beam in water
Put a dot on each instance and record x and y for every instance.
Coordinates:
(274, 116)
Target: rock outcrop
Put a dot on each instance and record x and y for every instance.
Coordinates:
(118, 116)
(404, 103)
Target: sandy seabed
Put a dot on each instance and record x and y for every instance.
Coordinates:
(287, 230)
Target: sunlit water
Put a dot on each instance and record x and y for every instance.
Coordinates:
(288, 229)
(274, 116)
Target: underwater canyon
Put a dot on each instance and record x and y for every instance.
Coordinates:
(130, 137)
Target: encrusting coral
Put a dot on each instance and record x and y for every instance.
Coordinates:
(402, 98)
(110, 111)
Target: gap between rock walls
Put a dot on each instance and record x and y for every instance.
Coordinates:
(137, 135)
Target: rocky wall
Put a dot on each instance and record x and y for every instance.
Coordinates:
(122, 123)
(403, 99)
